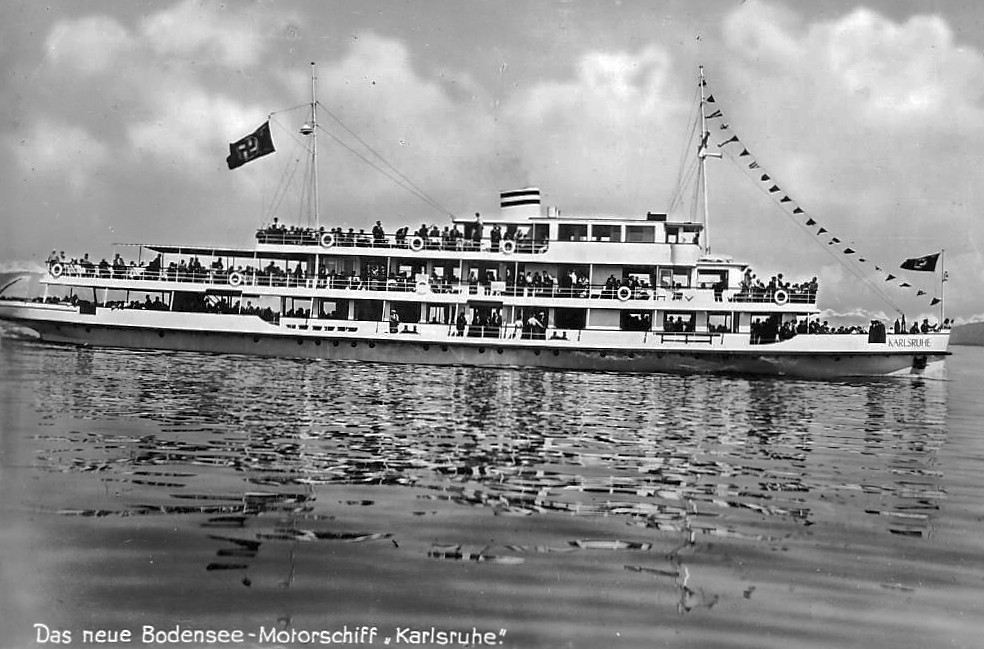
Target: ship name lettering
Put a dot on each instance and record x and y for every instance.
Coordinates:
(909, 342)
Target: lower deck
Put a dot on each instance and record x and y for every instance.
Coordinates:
(808, 355)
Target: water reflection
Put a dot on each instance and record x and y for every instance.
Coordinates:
(255, 449)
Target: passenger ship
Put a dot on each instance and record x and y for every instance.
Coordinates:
(529, 287)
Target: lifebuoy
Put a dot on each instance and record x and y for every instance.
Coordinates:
(780, 297)
(423, 288)
(235, 278)
(327, 240)
(508, 247)
(56, 270)
(416, 244)
(623, 293)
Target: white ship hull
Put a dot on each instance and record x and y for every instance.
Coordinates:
(806, 356)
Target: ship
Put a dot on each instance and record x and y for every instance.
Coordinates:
(529, 287)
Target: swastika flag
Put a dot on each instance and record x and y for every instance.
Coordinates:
(255, 145)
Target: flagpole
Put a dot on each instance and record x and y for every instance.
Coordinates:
(314, 146)
(942, 284)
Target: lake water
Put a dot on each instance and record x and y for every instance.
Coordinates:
(289, 503)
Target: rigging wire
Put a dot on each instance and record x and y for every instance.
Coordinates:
(422, 196)
(857, 272)
(417, 191)
(678, 189)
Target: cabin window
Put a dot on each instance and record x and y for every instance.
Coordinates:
(673, 234)
(640, 234)
(570, 318)
(719, 323)
(572, 232)
(636, 320)
(612, 233)
(679, 322)
(408, 311)
(707, 279)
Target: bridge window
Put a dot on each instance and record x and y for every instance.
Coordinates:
(572, 232)
(640, 234)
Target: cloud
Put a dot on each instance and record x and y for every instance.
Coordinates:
(54, 148)
(90, 45)
(207, 32)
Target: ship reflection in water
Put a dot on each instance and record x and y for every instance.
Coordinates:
(566, 507)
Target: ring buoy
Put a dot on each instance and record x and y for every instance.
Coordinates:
(780, 297)
(56, 270)
(327, 240)
(623, 293)
(416, 244)
(423, 288)
(508, 247)
(235, 278)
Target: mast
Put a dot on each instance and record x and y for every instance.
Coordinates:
(703, 154)
(314, 145)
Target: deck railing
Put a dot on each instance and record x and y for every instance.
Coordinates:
(410, 242)
(243, 279)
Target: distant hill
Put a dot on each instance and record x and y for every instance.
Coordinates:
(971, 333)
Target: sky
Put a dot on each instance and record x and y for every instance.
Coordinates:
(115, 121)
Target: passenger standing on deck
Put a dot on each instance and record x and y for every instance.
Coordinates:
(477, 231)
(461, 323)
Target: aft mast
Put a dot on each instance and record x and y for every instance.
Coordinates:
(703, 154)
(311, 128)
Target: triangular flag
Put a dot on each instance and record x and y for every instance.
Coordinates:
(811, 222)
(877, 269)
(835, 240)
(935, 301)
(905, 285)
(920, 292)
(798, 211)
(733, 138)
(773, 189)
(821, 230)
(765, 178)
(744, 152)
(710, 99)
(848, 251)
(715, 114)
(753, 165)
(785, 199)
(890, 277)
(861, 259)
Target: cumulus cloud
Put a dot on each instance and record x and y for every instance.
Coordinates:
(207, 31)
(52, 147)
(90, 45)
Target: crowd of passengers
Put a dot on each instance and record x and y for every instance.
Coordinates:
(431, 237)
(537, 284)
(753, 289)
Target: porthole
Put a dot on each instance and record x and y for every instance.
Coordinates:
(604, 354)
(444, 348)
(160, 333)
(499, 351)
(334, 343)
(355, 344)
(536, 352)
(300, 341)
(256, 339)
(317, 343)
(426, 347)
(372, 345)
(88, 330)
(481, 350)
(556, 352)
